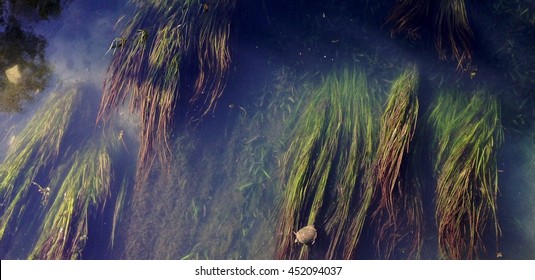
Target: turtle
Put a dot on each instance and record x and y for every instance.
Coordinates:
(306, 235)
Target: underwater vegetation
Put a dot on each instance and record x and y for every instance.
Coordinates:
(511, 55)
(341, 177)
(345, 149)
(35, 149)
(467, 135)
(85, 189)
(153, 64)
(341, 169)
(399, 212)
(221, 202)
(329, 152)
(56, 185)
(452, 31)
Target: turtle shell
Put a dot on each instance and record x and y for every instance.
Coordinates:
(306, 235)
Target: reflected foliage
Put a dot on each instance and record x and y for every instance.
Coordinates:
(23, 67)
(34, 10)
(24, 71)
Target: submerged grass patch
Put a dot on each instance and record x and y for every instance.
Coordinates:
(221, 201)
(468, 133)
(32, 154)
(149, 67)
(57, 178)
(330, 149)
(82, 192)
(399, 211)
(452, 28)
(453, 32)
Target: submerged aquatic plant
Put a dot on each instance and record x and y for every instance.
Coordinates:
(149, 67)
(467, 136)
(331, 148)
(118, 211)
(399, 212)
(454, 32)
(84, 191)
(33, 152)
(407, 16)
(452, 28)
(56, 176)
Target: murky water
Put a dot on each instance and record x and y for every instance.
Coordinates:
(221, 194)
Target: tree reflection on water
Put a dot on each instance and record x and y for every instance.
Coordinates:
(24, 70)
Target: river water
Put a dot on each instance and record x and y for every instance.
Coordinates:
(223, 192)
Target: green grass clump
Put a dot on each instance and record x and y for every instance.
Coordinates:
(32, 153)
(331, 148)
(57, 178)
(399, 212)
(468, 133)
(83, 192)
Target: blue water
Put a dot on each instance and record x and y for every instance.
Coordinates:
(221, 201)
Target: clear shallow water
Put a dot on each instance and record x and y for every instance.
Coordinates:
(221, 201)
